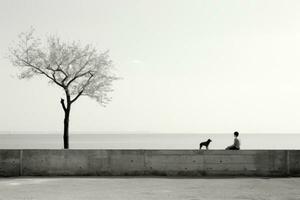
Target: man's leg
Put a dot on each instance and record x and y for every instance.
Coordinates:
(232, 148)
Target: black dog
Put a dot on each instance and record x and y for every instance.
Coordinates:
(206, 144)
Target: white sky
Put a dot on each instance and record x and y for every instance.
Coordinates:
(187, 66)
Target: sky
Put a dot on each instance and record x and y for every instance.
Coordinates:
(195, 66)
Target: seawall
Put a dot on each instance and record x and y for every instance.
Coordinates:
(42, 162)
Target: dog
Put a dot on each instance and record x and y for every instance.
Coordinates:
(206, 144)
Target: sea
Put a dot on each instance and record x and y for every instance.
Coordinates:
(80, 140)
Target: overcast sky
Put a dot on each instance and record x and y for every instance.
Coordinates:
(187, 66)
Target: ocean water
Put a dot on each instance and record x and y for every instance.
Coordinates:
(147, 141)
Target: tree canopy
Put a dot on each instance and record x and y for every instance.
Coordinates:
(79, 70)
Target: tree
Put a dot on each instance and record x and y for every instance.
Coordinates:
(78, 70)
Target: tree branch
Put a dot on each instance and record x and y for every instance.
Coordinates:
(62, 101)
(83, 66)
(58, 70)
(28, 64)
(77, 96)
(78, 76)
(83, 88)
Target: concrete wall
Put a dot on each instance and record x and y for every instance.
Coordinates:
(149, 162)
(10, 162)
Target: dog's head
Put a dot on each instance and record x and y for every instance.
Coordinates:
(209, 141)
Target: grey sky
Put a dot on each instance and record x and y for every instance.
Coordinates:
(188, 66)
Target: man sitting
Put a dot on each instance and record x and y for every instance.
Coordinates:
(236, 143)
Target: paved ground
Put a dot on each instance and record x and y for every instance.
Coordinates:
(137, 188)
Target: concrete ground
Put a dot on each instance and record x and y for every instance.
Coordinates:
(140, 188)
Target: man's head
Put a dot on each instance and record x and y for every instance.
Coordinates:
(236, 133)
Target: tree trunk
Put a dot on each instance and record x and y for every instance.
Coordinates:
(66, 128)
(67, 109)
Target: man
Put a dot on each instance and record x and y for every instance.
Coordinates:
(236, 142)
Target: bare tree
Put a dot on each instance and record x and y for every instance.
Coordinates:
(78, 70)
